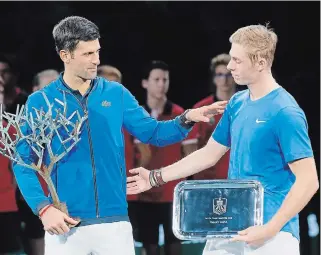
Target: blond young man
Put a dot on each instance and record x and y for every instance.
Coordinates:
(266, 132)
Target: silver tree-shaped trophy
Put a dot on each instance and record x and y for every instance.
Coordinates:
(37, 129)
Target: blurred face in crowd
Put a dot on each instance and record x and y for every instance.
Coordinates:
(6, 75)
(44, 80)
(157, 83)
(111, 77)
(223, 79)
(83, 61)
(243, 70)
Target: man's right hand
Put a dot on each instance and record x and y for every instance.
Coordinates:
(54, 221)
(139, 182)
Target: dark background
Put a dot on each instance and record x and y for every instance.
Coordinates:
(186, 35)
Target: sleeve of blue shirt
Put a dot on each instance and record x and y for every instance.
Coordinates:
(292, 133)
(222, 133)
(26, 178)
(147, 129)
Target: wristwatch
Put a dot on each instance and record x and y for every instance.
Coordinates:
(185, 122)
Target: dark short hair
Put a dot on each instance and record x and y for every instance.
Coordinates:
(155, 64)
(69, 31)
(9, 60)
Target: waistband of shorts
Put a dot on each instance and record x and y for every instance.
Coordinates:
(109, 219)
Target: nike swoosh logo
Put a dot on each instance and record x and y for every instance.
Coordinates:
(260, 121)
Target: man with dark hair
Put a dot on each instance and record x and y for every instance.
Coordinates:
(159, 202)
(224, 87)
(10, 96)
(91, 179)
(10, 93)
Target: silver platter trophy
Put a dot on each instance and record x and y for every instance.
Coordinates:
(215, 210)
(37, 129)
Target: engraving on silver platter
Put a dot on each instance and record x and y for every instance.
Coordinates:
(219, 205)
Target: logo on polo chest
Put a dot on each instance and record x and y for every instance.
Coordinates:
(105, 103)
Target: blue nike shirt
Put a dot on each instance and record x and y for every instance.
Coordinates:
(264, 136)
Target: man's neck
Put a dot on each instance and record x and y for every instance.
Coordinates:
(156, 104)
(224, 95)
(76, 83)
(262, 87)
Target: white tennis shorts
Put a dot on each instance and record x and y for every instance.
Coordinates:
(283, 243)
(99, 239)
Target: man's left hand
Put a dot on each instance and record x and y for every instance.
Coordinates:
(256, 235)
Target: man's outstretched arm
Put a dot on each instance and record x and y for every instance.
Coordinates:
(191, 164)
(195, 162)
(148, 130)
(216, 147)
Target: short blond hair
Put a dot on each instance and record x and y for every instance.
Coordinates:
(221, 59)
(259, 40)
(108, 71)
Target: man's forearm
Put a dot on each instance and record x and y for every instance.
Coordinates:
(30, 187)
(195, 162)
(299, 195)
